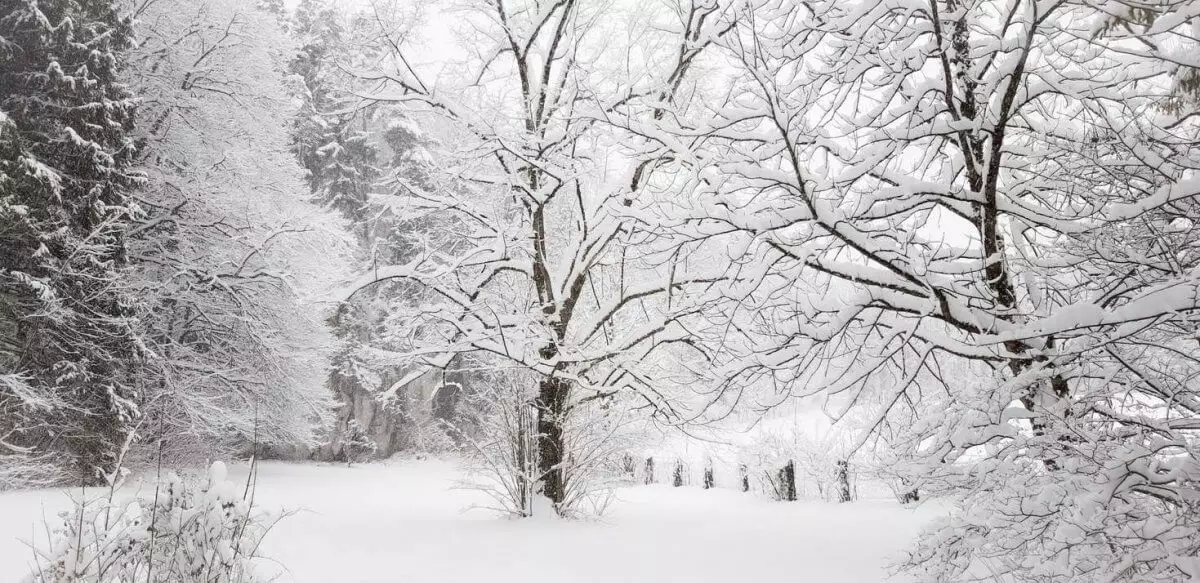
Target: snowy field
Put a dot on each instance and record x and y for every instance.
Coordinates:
(405, 521)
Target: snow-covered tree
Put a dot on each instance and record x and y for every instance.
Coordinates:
(546, 248)
(231, 253)
(347, 145)
(68, 345)
(330, 133)
(1007, 184)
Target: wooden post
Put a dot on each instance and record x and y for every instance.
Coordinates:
(843, 480)
(910, 494)
(787, 482)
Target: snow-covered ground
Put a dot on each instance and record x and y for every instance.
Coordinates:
(405, 521)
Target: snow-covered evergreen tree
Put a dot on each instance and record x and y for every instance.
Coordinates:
(68, 346)
(330, 133)
(348, 146)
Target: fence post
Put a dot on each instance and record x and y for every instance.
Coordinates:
(843, 480)
(787, 481)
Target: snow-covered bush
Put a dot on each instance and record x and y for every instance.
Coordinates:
(502, 455)
(598, 434)
(502, 449)
(888, 470)
(359, 446)
(765, 461)
(184, 531)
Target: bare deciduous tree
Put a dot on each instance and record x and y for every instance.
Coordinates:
(229, 246)
(551, 253)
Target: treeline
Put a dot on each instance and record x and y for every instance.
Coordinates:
(352, 149)
(161, 251)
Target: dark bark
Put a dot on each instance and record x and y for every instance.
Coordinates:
(551, 404)
(843, 480)
(787, 482)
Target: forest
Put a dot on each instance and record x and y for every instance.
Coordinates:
(848, 291)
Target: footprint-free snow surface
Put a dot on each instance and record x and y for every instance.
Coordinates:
(406, 521)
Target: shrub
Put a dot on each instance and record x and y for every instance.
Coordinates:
(182, 533)
(359, 446)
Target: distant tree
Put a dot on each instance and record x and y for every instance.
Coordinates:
(359, 446)
(843, 481)
(349, 147)
(329, 133)
(230, 249)
(629, 466)
(785, 482)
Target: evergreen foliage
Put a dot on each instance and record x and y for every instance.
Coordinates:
(69, 350)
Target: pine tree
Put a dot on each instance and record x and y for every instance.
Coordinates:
(342, 159)
(339, 157)
(65, 178)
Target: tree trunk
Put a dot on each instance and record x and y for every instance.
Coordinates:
(629, 466)
(909, 492)
(551, 404)
(524, 460)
